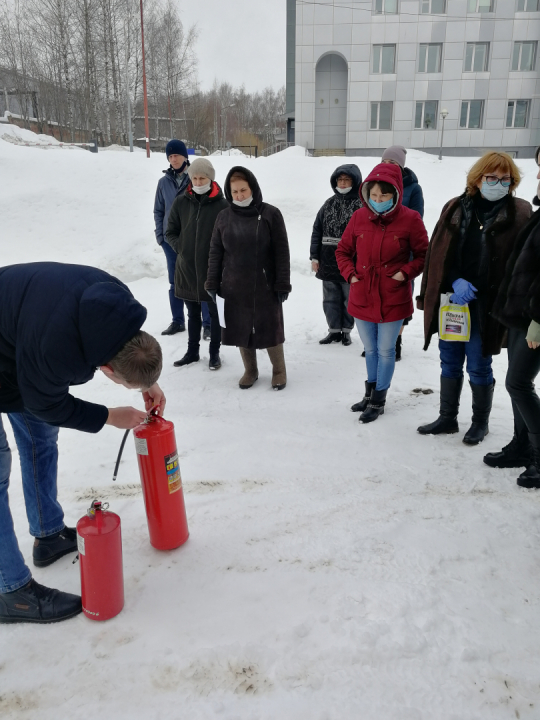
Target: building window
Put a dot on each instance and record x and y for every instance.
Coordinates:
(480, 6)
(528, 5)
(433, 7)
(381, 115)
(384, 58)
(471, 114)
(476, 57)
(430, 58)
(517, 113)
(524, 56)
(386, 7)
(426, 115)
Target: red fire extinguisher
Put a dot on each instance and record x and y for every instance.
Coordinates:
(161, 482)
(99, 541)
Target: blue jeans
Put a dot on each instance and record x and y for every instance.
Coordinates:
(453, 356)
(38, 452)
(177, 306)
(380, 345)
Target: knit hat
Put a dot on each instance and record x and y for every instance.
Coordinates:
(176, 147)
(397, 153)
(202, 166)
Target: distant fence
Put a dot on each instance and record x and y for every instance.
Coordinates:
(277, 147)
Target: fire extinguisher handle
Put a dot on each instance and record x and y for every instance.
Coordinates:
(120, 454)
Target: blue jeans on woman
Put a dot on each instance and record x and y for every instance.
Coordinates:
(38, 452)
(380, 345)
(453, 355)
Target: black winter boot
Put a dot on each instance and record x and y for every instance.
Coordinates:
(530, 478)
(447, 422)
(375, 406)
(215, 361)
(189, 357)
(330, 338)
(482, 398)
(38, 604)
(346, 339)
(362, 405)
(50, 549)
(518, 453)
(398, 348)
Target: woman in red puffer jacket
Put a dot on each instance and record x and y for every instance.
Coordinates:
(374, 256)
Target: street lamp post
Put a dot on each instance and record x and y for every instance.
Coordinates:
(444, 113)
(145, 94)
(221, 114)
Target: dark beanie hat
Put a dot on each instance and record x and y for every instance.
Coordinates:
(176, 147)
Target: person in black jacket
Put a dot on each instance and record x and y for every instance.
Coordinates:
(58, 324)
(518, 308)
(329, 226)
(191, 223)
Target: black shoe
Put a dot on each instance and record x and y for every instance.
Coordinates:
(187, 359)
(517, 453)
(330, 338)
(531, 477)
(362, 405)
(482, 399)
(447, 422)
(346, 339)
(215, 362)
(38, 604)
(206, 333)
(50, 549)
(363, 353)
(375, 406)
(398, 348)
(174, 328)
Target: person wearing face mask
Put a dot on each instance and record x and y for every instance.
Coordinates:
(330, 223)
(249, 266)
(382, 249)
(190, 227)
(517, 307)
(467, 256)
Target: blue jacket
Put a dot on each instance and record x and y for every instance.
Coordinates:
(167, 190)
(413, 197)
(58, 324)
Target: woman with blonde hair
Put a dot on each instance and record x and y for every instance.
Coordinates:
(467, 256)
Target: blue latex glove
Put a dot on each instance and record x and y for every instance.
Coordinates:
(464, 292)
(212, 294)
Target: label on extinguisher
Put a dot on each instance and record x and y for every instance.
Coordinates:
(173, 472)
(141, 446)
(80, 545)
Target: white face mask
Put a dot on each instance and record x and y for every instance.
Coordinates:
(243, 203)
(202, 189)
(344, 191)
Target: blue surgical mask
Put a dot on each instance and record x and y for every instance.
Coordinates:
(381, 207)
(493, 192)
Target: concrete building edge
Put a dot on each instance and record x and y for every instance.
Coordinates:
(523, 152)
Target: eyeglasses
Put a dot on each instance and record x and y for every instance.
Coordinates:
(492, 180)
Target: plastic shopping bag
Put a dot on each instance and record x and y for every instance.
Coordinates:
(454, 321)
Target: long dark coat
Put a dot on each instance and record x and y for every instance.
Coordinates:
(500, 238)
(190, 227)
(249, 264)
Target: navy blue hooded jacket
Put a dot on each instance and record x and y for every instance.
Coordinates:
(58, 323)
(413, 198)
(167, 190)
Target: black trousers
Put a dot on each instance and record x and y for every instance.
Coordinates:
(523, 367)
(195, 324)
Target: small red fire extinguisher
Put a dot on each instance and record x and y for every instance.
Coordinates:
(99, 541)
(161, 482)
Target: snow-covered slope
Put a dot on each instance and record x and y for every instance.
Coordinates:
(334, 571)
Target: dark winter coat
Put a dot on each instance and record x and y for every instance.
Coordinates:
(413, 197)
(518, 301)
(167, 190)
(249, 265)
(331, 221)
(498, 239)
(58, 324)
(375, 247)
(191, 223)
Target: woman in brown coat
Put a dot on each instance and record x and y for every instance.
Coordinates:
(467, 256)
(249, 267)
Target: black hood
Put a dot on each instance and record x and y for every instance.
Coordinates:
(353, 171)
(252, 182)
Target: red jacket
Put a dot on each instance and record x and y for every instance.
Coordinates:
(374, 247)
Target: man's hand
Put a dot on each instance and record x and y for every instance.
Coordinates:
(314, 265)
(125, 418)
(154, 398)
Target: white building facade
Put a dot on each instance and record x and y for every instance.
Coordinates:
(374, 73)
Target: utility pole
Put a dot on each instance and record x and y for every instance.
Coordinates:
(444, 113)
(130, 133)
(145, 95)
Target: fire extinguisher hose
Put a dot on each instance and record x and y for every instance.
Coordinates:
(120, 454)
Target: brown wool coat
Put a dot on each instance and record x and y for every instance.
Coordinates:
(248, 265)
(500, 237)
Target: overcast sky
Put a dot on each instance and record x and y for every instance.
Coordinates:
(240, 41)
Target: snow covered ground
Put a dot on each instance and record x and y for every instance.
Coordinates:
(334, 571)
